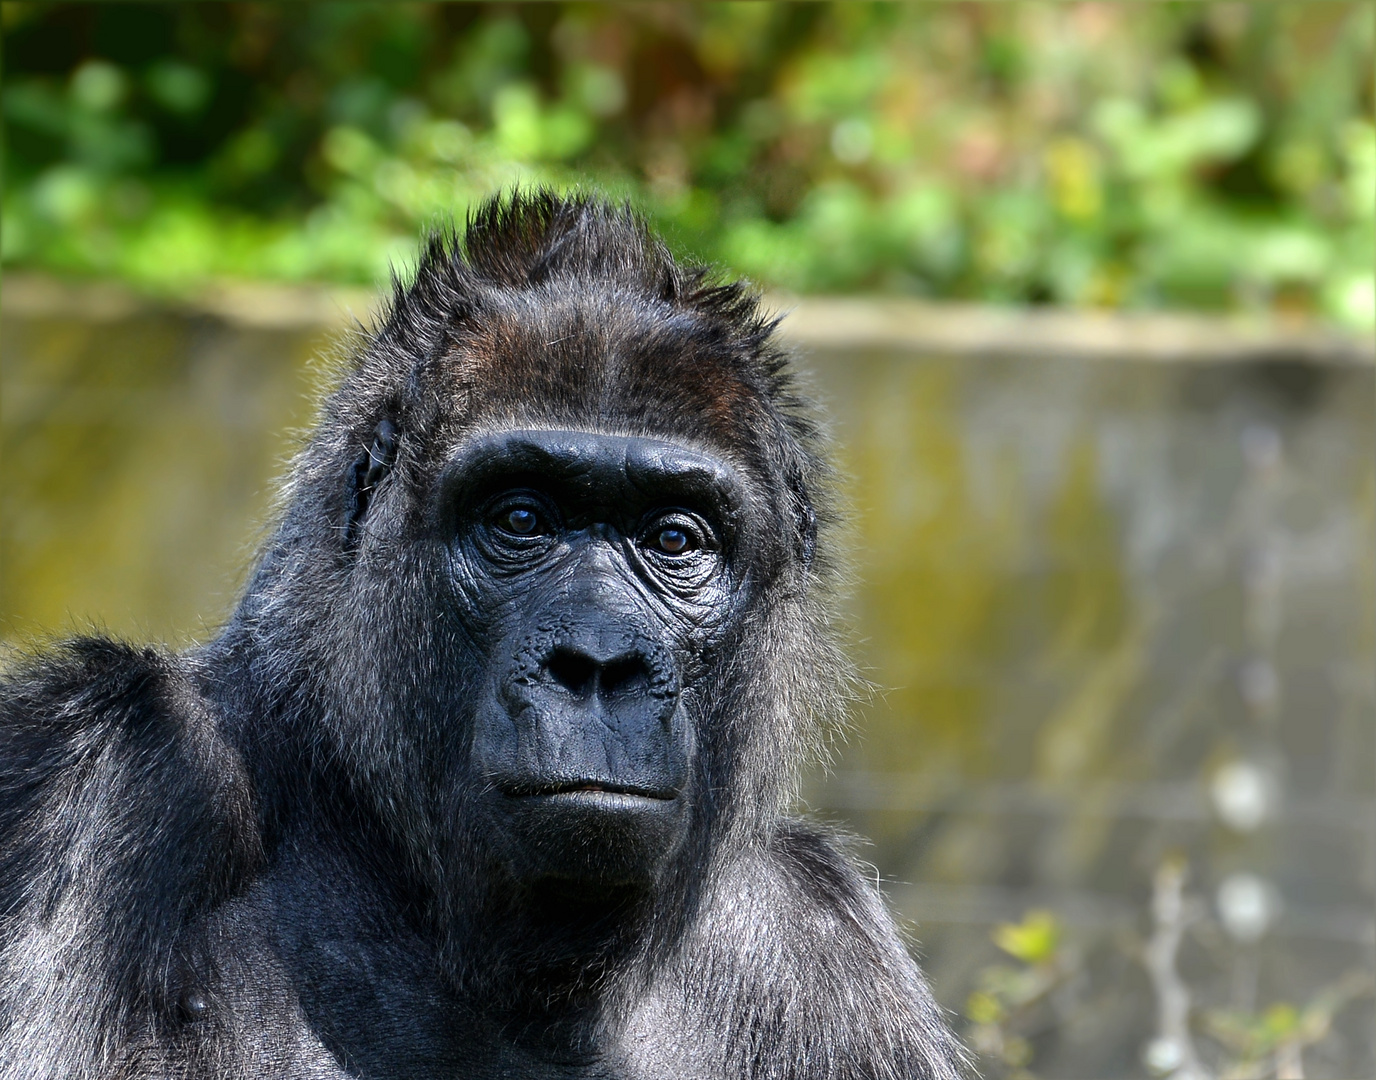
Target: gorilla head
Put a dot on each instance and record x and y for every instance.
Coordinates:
(548, 566)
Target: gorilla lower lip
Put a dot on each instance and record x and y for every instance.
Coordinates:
(592, 790)
(597, 832)
(602, 802)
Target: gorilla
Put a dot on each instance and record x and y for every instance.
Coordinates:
(490, 774)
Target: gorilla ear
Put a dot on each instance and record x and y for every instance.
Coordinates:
(806, 520)
(368, 471)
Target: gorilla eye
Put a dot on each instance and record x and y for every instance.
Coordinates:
(673, 541)
(677, 534)
(520, 514)
(516, 527)
(522, 521)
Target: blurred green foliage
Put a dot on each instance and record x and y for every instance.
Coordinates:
(1200, 155)
(1012, 1003)
(1271, 1041)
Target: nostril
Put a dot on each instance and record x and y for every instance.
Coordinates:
(624, 675)
(573, 671)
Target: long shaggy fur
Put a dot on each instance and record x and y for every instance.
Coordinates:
(179, 833)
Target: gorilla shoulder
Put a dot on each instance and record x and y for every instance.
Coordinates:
(122, 813)
(792, 921)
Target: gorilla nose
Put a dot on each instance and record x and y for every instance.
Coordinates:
(592, 706)
(584, 674)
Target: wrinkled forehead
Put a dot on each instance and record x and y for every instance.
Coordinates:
(585, 357)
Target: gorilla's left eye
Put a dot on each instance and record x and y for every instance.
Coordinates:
(678, 535)
(522, 521)
(673, 541)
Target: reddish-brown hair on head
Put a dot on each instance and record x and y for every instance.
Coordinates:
(549, 310)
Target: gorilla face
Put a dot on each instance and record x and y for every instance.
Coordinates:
(595, 573)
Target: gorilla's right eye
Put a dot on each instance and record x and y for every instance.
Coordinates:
(519, 515)
(521, 519)
(514, 527)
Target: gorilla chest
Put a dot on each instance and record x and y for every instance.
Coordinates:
(341, 991)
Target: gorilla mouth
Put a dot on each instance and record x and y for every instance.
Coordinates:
(594, 788)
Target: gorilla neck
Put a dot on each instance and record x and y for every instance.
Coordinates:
(529, 948)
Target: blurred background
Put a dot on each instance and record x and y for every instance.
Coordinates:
(1088, 290)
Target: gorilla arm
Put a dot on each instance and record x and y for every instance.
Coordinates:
(794, 971)
(122, 814)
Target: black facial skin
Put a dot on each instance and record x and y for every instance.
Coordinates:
(599, 570)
